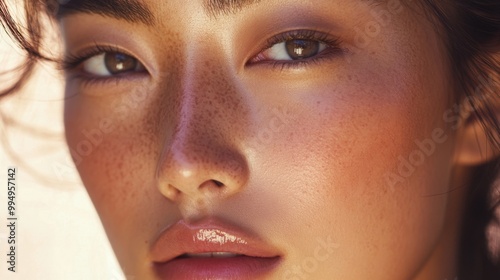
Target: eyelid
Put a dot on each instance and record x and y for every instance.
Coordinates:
(305, 34)
(72, 62)
(333, 42)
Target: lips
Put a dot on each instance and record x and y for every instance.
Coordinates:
(211, 249)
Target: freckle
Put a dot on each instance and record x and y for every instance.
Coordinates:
(349, 77)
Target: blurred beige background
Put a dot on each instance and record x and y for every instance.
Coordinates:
(59, 235)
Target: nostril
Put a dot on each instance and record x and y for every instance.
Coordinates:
(218, 183)
(171, 192)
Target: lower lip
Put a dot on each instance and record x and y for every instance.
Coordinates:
(241, 267)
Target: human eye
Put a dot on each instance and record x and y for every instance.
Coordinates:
(103, 63)
(298, 47)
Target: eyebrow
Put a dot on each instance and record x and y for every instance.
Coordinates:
(134, 11)
(129, 10)
(218, 7)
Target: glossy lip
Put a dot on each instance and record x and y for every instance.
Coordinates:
(255, 257)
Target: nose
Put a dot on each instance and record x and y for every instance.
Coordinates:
(201, 164)
(197, 169)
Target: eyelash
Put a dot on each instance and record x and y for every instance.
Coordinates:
(333, 47)
(72, 62)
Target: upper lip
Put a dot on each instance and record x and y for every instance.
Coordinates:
(208, 235)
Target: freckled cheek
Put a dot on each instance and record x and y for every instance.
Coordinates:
(352, 125)
(342, 142)
(116, 160)
(119, 177)
(329, 162)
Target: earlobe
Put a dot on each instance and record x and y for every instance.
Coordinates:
(475, 146)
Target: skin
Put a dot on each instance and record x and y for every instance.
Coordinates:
(320, 167)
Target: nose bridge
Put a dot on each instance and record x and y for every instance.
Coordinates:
(206, 84)
(200, 155)
(206, 89)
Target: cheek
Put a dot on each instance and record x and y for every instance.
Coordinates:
(356, 161)
(102, 133)
(112, 140)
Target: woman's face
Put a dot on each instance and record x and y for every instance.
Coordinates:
(306, 137)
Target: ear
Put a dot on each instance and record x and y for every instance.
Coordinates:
(476, 141)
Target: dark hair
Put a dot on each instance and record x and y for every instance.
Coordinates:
(472, 36)
(471, 33)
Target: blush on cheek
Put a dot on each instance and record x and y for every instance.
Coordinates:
(345, 143)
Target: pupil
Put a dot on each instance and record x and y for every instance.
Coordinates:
(301, 49)
(118, 63)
